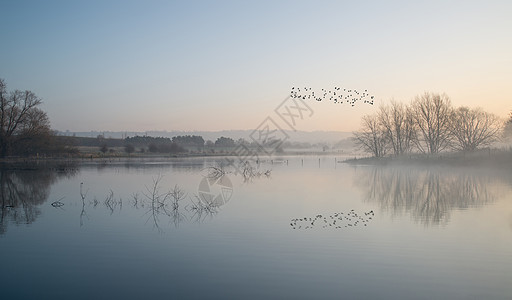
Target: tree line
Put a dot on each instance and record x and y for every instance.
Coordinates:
(177, 144)
(428, 124)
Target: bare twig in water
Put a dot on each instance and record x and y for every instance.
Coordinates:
(157, 204)
(215, 172)
(94, 202)
(58, 203)
(157, 201)
(177, 217)
(83, 214)
(201, 208)
(249, 172)
(110, 202)
(177, 195)
(82, 194)
(135, 197)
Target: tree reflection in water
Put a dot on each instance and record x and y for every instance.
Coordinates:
(428, 194)
(22, 192)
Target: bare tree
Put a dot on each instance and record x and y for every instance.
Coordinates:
(371, 138)
(18, 114)
(472, 128)
(34, 134)
(104, 148)
(431, 113)
(398, 125)
(507, 130)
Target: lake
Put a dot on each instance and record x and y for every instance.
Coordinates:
(309, 228)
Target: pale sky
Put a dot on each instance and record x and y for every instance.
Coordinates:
(215, 65)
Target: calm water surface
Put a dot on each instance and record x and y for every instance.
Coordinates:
(311, 229)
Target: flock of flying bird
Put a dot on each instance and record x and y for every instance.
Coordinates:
(338, 220)
(338, 95)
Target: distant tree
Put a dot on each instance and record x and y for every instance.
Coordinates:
(242, 141)
(171, 148)
(431, 113)
(104, 148)
(59, 144)
(189, 140)
(507, 130)
(155, 144)
(153, 148)
(472, 128)
(209, 143)
(224, 142)
(398, 126)
(146, 140)
(372, 137)
(129, 148)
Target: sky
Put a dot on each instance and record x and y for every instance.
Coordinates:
(227, 65)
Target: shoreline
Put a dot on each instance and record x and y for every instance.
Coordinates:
(496, 158)
(62, 163)
(483, 158)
